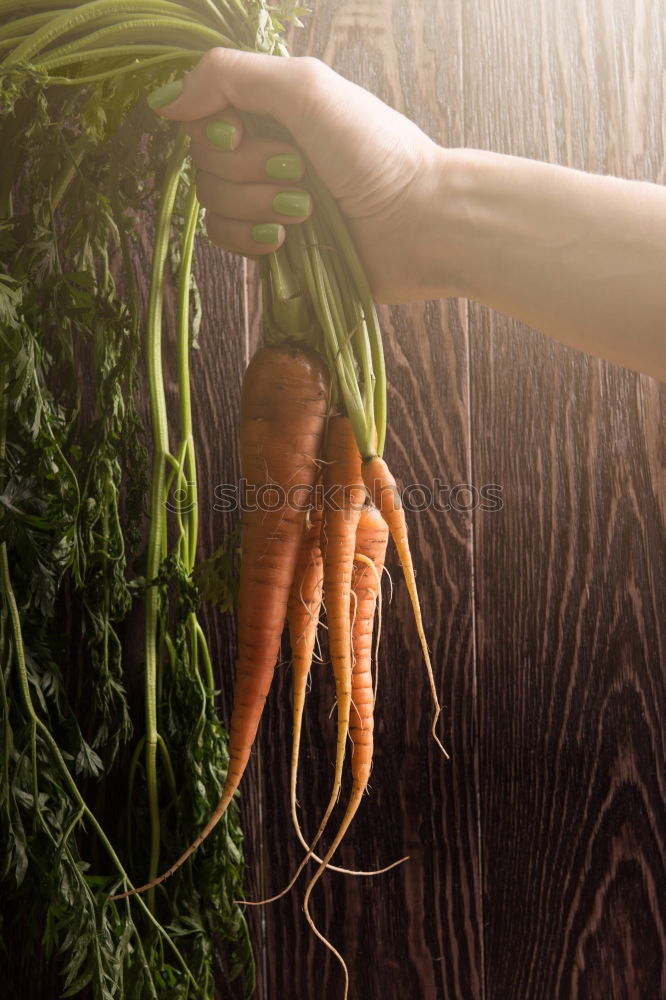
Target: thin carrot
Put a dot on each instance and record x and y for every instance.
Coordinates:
(370, 552)
(283, 412)
(344, 494)
(383, 491)
(371, 541)
(305, 599)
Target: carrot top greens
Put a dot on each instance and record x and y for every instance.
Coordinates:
(69, 541)
(83, 159)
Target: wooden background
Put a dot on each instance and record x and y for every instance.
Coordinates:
(537, 853)
(537, 866)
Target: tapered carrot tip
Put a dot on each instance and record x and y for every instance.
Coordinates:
(344, 493)
(384, 493)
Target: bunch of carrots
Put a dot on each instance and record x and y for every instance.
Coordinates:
(318, 541)
(313, 410)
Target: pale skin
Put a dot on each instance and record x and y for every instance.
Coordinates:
(580, 257)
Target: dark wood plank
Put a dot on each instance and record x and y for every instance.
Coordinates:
(415, 931)
(569, 577)
(537, 853)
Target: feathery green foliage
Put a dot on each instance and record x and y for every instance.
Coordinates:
(84, 159)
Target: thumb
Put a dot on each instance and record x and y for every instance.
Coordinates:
(249, 81)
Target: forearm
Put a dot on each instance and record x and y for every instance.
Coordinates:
(580, 257)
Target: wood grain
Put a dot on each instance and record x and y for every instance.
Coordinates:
(569, 586)
(570, 590)
(537, 853)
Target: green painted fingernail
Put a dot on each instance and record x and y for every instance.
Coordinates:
(221, 134)
(266, 232)
(292, 203)
(165, 95)
(284, 166)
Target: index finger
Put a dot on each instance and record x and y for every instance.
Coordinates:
(249, 81)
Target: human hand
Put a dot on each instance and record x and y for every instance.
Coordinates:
(381, 168)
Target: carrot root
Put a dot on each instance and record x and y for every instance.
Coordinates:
(383, 490)
(372, 538)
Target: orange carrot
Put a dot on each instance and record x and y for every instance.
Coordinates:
(371, 541)
(383, 491)
(303, 613)
(284, 402)
(305, 600)
(344, 495)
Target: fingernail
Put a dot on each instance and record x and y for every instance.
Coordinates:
(165, 95)
(284, 166)
(292, 203)
(266, 232)
(221, 134)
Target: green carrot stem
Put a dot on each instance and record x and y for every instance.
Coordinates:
(285, 282)
(69, 830)
(158, 405)
(166, 31)
(67, 56)
(68, 173)
(177, 477)
(230, 29)
(143, 960)
(183, 352)
(15, 621)
(77, 19)
(355, 341)
(160, 449)
(8, 739)
(33, 747)
(193, 503)
(154, 815)
(22, 27)
(8, 7)
(174, 461)
(339, 352)
(9, 43)
(359, 338)
(332, 215)
(203, 645)
(166, 759)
